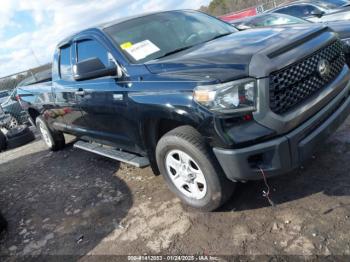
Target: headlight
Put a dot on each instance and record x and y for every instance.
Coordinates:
(346, 41)
(231, 97)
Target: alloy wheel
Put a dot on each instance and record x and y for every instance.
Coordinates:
(186, 174)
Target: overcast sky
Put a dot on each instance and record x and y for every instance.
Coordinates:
(34, 27)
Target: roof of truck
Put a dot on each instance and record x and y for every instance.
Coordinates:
(114, 22)
(124, 19)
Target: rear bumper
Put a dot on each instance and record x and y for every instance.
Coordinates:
(285, 153)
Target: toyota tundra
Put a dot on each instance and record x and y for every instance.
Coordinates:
(203, 104)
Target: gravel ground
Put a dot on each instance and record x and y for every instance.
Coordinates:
(76, 203)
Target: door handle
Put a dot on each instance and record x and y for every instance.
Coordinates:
(80, 92)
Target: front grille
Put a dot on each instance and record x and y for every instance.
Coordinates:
(294, 84)
(347, 53)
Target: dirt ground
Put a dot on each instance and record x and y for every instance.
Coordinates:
(76, 203)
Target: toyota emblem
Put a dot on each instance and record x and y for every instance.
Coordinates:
(324, 68)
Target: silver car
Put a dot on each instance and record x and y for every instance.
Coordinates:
(316, 11)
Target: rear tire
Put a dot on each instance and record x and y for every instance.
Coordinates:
(191, 170)
(3, 223)
(53, 139)
(2, 141)
(17, 131)
(21, 137)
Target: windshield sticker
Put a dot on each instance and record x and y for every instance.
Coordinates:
(126, 45)
(142, 49)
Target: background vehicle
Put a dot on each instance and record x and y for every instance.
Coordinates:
(330, 4)
(275, 19)
(204, 104)
(4, 118)
(337, 3)
(12, 137)
(267, 20)
(4, 94)
(12, 107)
(315, 11)
(43, 76)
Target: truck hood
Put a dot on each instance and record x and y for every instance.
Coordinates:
(229, 57)
(341, 27)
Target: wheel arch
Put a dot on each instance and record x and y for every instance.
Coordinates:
(33, 114)
(153, 129)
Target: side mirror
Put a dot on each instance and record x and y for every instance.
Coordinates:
(317, 13)
(242, 27)
(93, 68)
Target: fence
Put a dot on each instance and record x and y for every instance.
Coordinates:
(254, 10)
(273, 4)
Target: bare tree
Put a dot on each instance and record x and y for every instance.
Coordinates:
(221, 7)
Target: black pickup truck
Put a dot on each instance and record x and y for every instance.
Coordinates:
(202, 103)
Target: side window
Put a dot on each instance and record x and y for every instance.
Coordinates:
(292, 10)
(90, 48)
(309, 9)
(65, 64)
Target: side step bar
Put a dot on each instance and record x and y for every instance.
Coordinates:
(113, 153)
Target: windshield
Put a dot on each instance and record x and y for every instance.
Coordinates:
(154, 36)
(332, 4)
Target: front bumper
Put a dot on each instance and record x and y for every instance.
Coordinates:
(287, 152)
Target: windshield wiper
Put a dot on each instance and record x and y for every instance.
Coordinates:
(175, 51)
(188, 47)
(219, 36)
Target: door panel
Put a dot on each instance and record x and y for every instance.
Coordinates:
(67, 112)
(104, 109)
(68, 107)
(104, 104)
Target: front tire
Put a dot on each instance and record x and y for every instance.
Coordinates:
(53, 139)
(191, 170)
